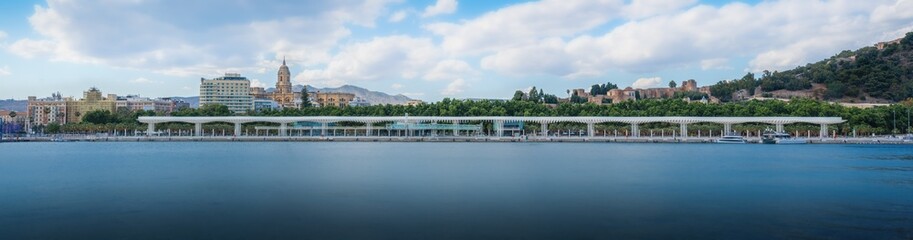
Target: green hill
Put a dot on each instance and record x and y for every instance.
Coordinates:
(883, 71)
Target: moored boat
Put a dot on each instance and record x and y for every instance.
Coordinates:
(774, 137)
(732, 138)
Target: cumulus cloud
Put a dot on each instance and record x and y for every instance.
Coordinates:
(196, 38)
(715, 63)
(648, 82)
(450, 69)
(562, 38)
(257, 83)
(398, 16)
(455, 87)
(440, 7)
(396, 86)
(523, 24)
(393, 57)
(639, 9)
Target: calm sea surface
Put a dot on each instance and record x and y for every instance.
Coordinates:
(280, 190)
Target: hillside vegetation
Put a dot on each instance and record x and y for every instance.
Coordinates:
(869, 72)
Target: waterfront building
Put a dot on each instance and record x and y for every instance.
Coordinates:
(359, 102)
(92, 100)
(137, 103)
(264, 104)
(259, 93)
(414, 102)
(47, 110)
(333, 99)
(12, 122)
(231, 90)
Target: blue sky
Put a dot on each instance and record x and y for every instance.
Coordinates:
(424, 49)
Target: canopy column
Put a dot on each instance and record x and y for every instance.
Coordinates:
(150, 129)
(369, 127)
(456, 127)
(591, 129)
(822, 133)
(727, 128)
(499, 127)
(283, 129)
(683, 130)
(635, 130)
(237, 129)
(323, 129)
(198, 129)
(544, 129)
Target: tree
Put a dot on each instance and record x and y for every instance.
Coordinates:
(518, 96)
(53, 128)
(672, 84)
(305, 100)
(99, 117)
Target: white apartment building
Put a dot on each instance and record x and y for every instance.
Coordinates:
(231, 90)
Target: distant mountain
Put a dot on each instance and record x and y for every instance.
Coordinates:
(14, 105)
(373, 97)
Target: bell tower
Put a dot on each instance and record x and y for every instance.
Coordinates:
(284, 84)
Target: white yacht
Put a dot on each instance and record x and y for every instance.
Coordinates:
(773, 137)
(732, 138)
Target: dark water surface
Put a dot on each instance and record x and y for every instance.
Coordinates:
(279, 190)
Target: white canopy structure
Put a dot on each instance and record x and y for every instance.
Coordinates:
(498, 121)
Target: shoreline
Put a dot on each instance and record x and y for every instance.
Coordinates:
(441, 139)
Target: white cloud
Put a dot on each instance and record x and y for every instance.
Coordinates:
(647, 83)
(398, 16)
(3, 35)
(5, 71)
(901, 10)
(143, 80)
(383, 58)
(455, 87)
(29, 48)
(441, 7)
(194, 39)
(257, 83)
(715, 63)
(639, 9)
(546, 57)
(774, 34)
(524, 23)
(450, 69)
(396, 86)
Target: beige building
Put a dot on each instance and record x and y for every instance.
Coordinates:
(92, 100)
(324, 99)
(414, 102)
(231, 90)
(47, 110)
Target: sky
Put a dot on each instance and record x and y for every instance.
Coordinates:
(428, 49)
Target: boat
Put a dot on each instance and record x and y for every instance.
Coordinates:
(732, 138)
(774, 137)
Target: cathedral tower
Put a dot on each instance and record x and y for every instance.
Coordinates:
(284, 84)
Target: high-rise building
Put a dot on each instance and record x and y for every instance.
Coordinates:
(231, 90)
